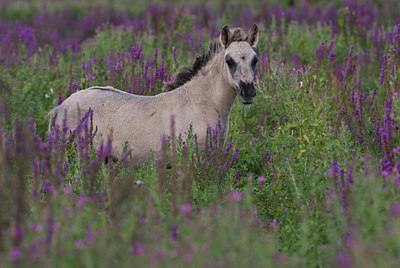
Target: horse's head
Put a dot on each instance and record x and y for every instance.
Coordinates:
(240, 61)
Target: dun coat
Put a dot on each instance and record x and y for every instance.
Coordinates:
(199, 95)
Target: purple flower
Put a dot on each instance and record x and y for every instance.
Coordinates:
(338, 71)
(237, 176)
(81, 201)
(344, 260)
(59, 100)
(236, 195)
(186, 208)
(335, 169)
(79, 244)
(187, 258)
(386, 167)
(174, 55)
(332, 56)
(36, 227)
(57, 226)
(235, 155)
(275, 224)
(296, 58)
(15, 254)
(382, 76)
(261, 180)
(174, 232)
(395, 209)
(89, 234)
(319, 52)
(158, 254)
(28, 38)
(138, 250)
(47, 186)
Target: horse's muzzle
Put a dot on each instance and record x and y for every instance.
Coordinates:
(247, 92)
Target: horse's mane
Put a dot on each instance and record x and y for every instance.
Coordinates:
(185, 74)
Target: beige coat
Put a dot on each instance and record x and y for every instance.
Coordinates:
(142, 121)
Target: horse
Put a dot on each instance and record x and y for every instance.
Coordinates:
(200, 96)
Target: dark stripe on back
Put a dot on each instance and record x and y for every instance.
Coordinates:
(103, 88)
(110, 89)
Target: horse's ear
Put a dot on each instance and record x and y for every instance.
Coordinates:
(225, 36)
(252, 38)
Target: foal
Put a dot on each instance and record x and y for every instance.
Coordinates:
(199, 95)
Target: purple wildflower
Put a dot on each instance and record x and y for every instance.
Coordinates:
(382, 76)
(236, 195)
(79, 244)
(187, 258)
(174, 232)
(395, 209)
(138, 250)
(47, 187)
(15, 254)
(261, 180)
(344, 260)
(275, 224)
(186, 208)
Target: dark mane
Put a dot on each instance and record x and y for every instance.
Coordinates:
(187, 73)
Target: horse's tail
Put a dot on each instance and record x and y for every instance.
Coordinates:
(52, 118)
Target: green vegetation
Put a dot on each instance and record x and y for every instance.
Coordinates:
(309, 176)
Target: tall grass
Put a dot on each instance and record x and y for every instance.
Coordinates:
(309, 175)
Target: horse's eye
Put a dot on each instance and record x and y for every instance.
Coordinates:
(231, 63)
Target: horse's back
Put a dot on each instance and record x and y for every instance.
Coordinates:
(118, 115)
(78, 104)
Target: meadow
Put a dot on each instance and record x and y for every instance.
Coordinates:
(309, 175)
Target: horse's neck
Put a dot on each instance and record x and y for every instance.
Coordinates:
(211, 87)
(219, 93)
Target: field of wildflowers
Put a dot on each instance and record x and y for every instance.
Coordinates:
(309, 176)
